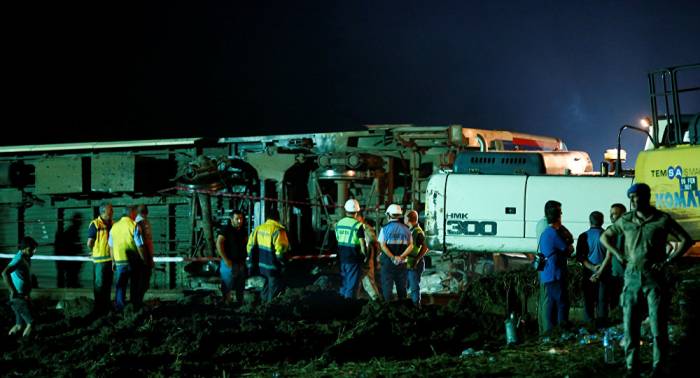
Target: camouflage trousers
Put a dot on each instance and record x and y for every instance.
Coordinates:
(645, 287)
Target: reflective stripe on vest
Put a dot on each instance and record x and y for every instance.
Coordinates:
(123, 240)
(100, 250)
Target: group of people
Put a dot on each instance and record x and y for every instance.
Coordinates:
(121, 251)
(399, 249)
(626, 261)
(123, 248)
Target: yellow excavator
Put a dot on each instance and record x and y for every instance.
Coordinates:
(670, 162)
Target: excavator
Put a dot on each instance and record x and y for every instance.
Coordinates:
(670, 162)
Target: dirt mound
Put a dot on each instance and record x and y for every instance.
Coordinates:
(304, 331)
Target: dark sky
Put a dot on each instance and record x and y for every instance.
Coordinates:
(102, 72)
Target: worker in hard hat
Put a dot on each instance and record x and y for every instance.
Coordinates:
(397, 243)
(350, 234)
(414, 261)
(269, 242)
(646, 231)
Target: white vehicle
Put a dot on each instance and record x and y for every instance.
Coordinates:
(489, 213)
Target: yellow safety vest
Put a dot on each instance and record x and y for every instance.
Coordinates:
(123, 240)
(346, 233)
(411, 258)
(270, 241)
(100, 250)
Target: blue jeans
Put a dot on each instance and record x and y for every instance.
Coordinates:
(123, 273)
(393, 275)
(350, 274)
(558, 303)
(414, 281)
(233, 278)
(102, 286)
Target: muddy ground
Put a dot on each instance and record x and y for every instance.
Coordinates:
(312, 332)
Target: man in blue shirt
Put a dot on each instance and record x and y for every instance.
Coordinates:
(17, 277)
(590, 252)
(396, 242)
(556, 244)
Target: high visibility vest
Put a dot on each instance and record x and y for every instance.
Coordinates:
(123, 242)
(100, 250)
(270, 241)
(411, 258)
(346, 233)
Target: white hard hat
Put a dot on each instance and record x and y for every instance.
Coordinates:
(394, 209)
(352, 206)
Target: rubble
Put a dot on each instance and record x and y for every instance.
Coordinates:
(307, 331)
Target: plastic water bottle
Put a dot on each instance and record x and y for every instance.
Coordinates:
(609, 352)
(511, 335)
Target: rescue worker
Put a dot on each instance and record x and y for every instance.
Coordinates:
(369, 277)
(556, 244)
(396, 242)
(127, 250)
(146, 269)
(231, 246)
(616, 277)
(268, 245)
(98, 244)
(414, 260)
(646, 231)
(350, 234)
(17, 277)
(590, 253)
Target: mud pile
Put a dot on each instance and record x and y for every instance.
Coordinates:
(308, 331)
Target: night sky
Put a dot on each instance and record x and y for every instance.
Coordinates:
(105, 72)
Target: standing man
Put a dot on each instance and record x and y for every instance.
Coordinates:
(414, 260)
(556, 244)
(231, 245)
(396, 242)
(269, 242)
(616, 277)
(146, 269)
(350, 234)
(369, 282)
(646, 231)
(591, 254)
(126, 246)
(98, 243)
(17, 277)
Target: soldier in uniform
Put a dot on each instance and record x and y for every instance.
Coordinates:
(646, 231)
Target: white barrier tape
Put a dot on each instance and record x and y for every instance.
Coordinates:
(158, 259)
(314, 257)
(88, 258)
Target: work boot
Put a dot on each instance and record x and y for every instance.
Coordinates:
(16, 328)
(27, 331)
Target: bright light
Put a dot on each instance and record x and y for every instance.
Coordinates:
(330, 172)
(611, 154)
(645, 122)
